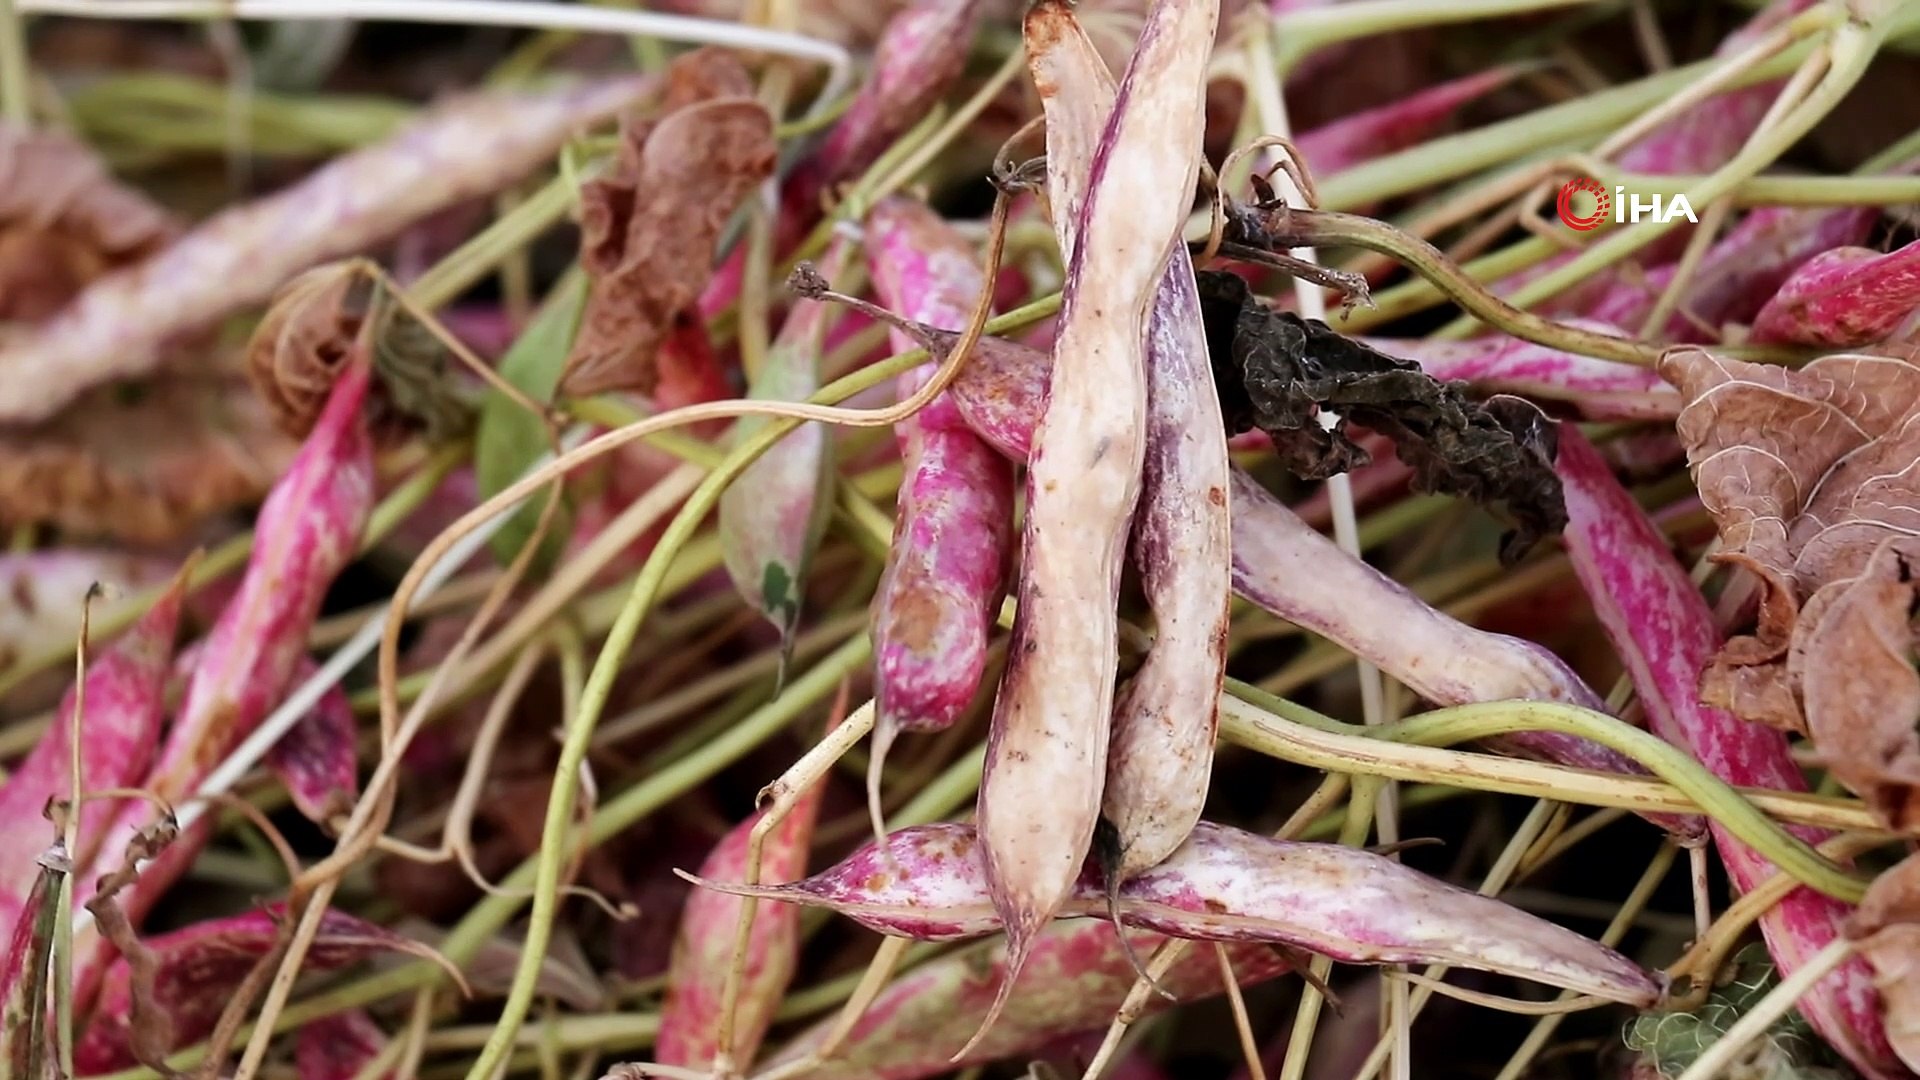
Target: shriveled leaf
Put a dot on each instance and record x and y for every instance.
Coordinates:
(64, 222)
(142, 463)
(649, 227)
(196, 970)
(1277, 371)
(1853, 664)
(1806, 472)
(308, 334)
(1886, 930)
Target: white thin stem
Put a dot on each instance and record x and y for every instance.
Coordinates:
(536, 14)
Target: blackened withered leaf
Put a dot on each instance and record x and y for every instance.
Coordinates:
(1277, 372)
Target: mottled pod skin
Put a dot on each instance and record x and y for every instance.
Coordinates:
(197, 970)
(120, 325)
(703, 948)
(1498, 363)
(773, 515)
(1226, 884)
(1161, 755)
(308, 531)
(1844, 298)
(1046, 761)
(125, 704)
(1664, 632)
(1287, 568)
(1074, 978)
(318, 759)
(945, 577)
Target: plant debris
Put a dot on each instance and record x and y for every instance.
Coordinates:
(649, 227)
(1281, 373)
(1810, 476)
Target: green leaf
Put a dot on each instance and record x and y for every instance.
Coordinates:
(509, 440)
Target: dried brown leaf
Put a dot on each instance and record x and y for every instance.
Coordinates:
(648, 229)
(1806, 471)
(1852, 658)
(64, 222)
(143, 463)
(303, 343)
(1886, 930)
(1813, 477)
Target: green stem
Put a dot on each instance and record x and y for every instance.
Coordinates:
(1298, 33)
(632, 805)
(1853, 47)
(1264, 728)
(16, 72)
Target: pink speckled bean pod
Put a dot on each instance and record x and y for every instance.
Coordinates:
(308, 530)
(1498, 363)
(118, 327)
(125, 704)
(1074, 978)
(318, 758)
(1226, 884)
(703, 948)
(1664, 632)
(945, 577)
(1160, 758)
(1350, 140)
(338, 1047)
(1844, 298)
(199, 967)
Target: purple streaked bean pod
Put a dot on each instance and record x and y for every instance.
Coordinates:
(1046, 761)
(1740, 272)
(40, 595)
(1664, 632)
(773, 515)
(1844, 298)
(1226, 884)
(119, 326)
(1350, 140)
(338, 1047)
(1498, 363)
(1074, 978)
(1160, 758)
(945, 577)
(125, 704)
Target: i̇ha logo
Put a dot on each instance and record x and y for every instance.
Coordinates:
(1620, 206)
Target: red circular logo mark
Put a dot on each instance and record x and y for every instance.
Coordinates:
(1603, 203)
